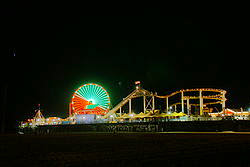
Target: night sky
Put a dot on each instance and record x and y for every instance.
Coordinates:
(56, 51)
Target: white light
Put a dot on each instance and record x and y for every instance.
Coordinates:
(92, 101)
(111, 116)
(131, 115)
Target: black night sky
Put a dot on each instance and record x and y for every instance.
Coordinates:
(59, 50)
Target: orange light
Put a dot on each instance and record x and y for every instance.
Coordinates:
(137, 82)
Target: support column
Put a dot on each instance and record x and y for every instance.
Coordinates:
(223, 103)
(129, 106)
(201, 103)
(182, 102)
(175, 107)
(70, 109)
(188, 107)
(144, 104)
(167, 104)
(153, 103)
(120, 111)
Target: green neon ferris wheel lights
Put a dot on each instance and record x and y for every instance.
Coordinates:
(90, 96)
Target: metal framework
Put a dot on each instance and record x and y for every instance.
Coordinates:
(219, 97)
(39, 118)
(148, 101)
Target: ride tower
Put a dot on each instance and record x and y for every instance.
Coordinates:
(38, 118)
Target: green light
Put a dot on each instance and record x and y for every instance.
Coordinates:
(95, 93)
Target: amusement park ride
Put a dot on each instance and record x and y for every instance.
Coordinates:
(90, 99)
(93, 100)
(217, 97)
(148, 100)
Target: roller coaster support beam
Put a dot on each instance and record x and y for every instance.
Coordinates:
(223, 102)
(201, 103)
(120, 111)
(188, 107)
(182, 101)
(144, 104)
(129, 106)
(167, 104)
(153, 103)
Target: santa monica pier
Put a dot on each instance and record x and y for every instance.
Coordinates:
(200, 109)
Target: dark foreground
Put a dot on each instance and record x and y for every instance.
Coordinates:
(126, 149)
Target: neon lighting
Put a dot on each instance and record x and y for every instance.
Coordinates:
(90, 99)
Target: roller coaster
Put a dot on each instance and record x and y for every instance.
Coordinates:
(188, 97)
(148, 101)
(217, 96)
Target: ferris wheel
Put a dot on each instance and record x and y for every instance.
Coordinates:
(90, 99)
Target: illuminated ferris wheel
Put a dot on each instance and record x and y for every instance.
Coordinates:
(90, 99)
